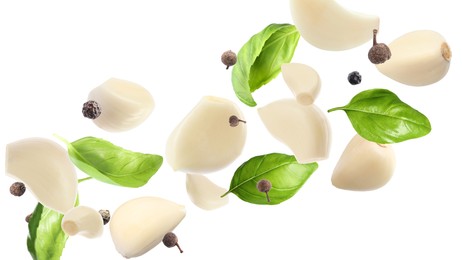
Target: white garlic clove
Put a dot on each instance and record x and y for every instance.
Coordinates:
(204, 193)
(303, 81)
(139, 224)
(419, 58)
(304, 129)
(327, 25)
(44, 167)
(83, 220)
(364, 165)
(124, 105)
(205, 141)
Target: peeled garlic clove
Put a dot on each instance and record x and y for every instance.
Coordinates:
(364, 165)
(327, 25)
(204, 193)
(139, 224)
(206, 141)
(304, 129)
(84, 221)
(124, 105)
(44, 167)
(418, 58)
(303, 81)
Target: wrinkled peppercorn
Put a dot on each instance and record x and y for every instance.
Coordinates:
(229, 58)
(17, 189)
(106, 215)
(379, 52)
(234, 121)
(28, 217)
(354, 78)
(171, 240)
(91, 109)
(264, 186)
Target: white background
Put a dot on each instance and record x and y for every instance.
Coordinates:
(52, 53)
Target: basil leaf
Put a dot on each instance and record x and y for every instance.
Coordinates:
(112, 164)
(46, 239)
(378, 115)
(260, 59)
(286, 175)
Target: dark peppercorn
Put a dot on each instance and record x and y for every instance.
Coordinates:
(234, 121)
(91, 109)
(106, 215)
(229, 58)
(28, 217)
(17, 189)
(264, 186)
(379, 52)
(171, 240)
(354, 78)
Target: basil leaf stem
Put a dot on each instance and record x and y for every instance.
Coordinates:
(84, 179)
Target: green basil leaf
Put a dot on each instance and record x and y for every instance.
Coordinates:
(378, 115)
(286, 175)
(260, 59)
(46, 239)
(112, 164)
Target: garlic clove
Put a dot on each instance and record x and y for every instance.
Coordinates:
(327, 25)
(204, 193)
(419, 58)
(44, 167)
(303, 81)
(304, 129)
(84, 221)
(206, 140)
(139, 224)
(364, 165)
(124, 105)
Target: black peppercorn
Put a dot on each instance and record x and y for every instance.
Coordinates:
(354, 78)
(106, 215)
(17, 189)
(264, 186)
(234, 121)
(28, 217)
(229, 58)
(171, 240)
(91, 109)
(379, 52)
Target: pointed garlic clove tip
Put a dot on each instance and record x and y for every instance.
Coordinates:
(205, 140)
(83, 220)
(124, 105)
(140, 224)
(303, 81)
(364, 166)
(327, 25)
(44, 167)
(304, 129)
(204, 193)
(419, 58)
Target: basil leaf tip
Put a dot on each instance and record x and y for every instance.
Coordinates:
(283, 171)
(260, 59)
(378, 115)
